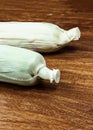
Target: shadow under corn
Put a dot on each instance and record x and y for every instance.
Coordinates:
(39, 86)
(66, 49)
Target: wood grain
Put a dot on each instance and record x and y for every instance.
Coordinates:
(64, 106)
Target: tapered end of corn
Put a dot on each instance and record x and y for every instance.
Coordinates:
(74, 33)
(55, 76)
(70, 35)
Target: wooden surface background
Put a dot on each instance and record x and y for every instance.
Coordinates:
(69, 104)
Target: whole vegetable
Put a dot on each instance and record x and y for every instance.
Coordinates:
(37, 36)
(23, 67)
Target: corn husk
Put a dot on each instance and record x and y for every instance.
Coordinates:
(37, 36)
(23, 67)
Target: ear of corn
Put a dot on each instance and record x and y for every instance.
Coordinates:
(22, 66)
(37, 36)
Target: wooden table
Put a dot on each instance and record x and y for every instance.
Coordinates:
(64, 106)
